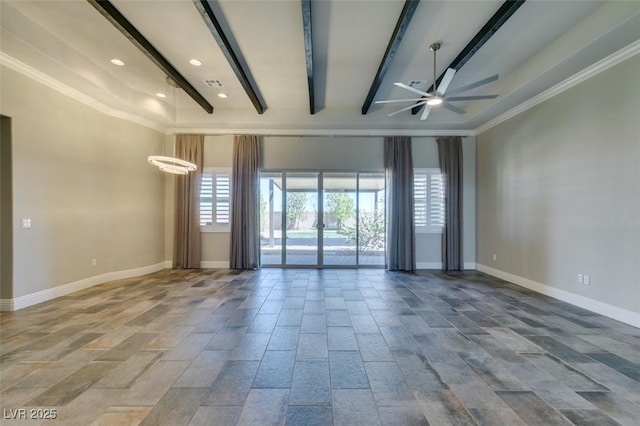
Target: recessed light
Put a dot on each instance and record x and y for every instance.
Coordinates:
(161, 95)
(222, 95)
(117, 62)
(195, 62)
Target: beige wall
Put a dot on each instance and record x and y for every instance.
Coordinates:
(559, 190)
(82, 178)
(344, 153)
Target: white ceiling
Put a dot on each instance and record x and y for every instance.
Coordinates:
(543, 44)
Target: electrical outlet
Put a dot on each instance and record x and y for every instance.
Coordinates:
(94, 262)
(495, 257)
(586, 280)
(580, 279)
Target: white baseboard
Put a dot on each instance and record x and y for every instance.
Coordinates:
(614, 312)
(214, 264)
(438, 265)
(62, 290)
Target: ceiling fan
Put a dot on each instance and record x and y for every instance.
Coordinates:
(440, 96)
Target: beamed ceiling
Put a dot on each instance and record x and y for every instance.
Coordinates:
(310, 65)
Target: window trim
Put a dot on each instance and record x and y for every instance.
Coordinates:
(215, 228)
(429, 228)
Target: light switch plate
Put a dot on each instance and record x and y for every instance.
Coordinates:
(26, 223)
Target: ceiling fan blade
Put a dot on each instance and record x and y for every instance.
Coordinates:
(407, 108)
(454, 108)
(390, 101)
(425, 113)
(446, 80)
(412, 89)
(474, 85)
(469, 98)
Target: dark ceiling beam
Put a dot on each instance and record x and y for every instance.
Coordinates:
(117, 19)
(398, 32)
(498, 19)
(308, 52)
(230, 54)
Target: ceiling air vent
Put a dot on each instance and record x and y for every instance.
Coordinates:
(213, 83)
(418, 84)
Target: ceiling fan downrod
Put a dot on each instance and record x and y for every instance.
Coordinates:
(436, 99)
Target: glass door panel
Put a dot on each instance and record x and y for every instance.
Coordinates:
(371, 219)
(271, 218)
(339, 224)
(301, 221)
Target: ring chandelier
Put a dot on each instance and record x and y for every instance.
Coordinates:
(173, 165)
(176, 166)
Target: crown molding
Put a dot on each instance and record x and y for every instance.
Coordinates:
(322, 132)
(32, 73)
(591, 71)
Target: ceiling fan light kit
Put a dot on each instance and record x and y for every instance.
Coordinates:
(438, 96)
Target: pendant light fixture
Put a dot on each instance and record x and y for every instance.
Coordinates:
(173, 165)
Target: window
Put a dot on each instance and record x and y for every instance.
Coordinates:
(215, 200)
(428, 193)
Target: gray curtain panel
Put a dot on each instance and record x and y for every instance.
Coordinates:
(245, 223)
(398, 167)
(186, 234)
(450, 155)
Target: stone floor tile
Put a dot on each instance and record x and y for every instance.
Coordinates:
(312, 347)
(276, 370)
(150, 387)
(347, 370)
(442, 407)
(72, 386)
(176, 407)
(309, 416)
(264, 407)
(388, 385)
(354, 407)
(373, 347)
(402, 416)
(531, 408)
(233, 383)
(203, 371)
(216, 416)
(496, 417)
(127, 372)
(586, 417)
(341, 339)
(615, 406)
(311, 384)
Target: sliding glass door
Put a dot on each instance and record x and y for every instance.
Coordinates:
(301, 225)
(371, 219)
(316, 219)
(339, 224)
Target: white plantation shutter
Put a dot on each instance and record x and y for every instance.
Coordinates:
(215, 202)
(428, 195)
(436, 199)
(420, 210)
(206, 199)
(223, 200)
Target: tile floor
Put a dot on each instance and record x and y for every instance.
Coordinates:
(316, 347)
